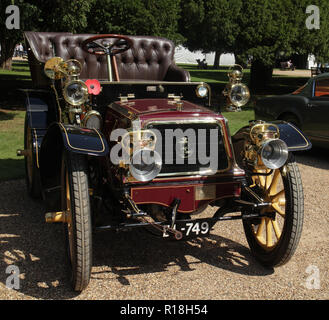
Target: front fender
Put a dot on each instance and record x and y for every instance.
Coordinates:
(61, 138)
(83, 140)
(291, 135)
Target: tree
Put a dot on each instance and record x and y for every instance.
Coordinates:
(63, 15)
(136, 17)
(315, 41)
(269, 28)
(210, 25)
(40, 15)
(10, 37)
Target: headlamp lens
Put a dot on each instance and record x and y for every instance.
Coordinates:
(201, 91)
(274, 153)
(145, 164)
(239, 95)
(76, 92)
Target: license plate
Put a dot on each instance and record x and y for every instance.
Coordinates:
(193, 228)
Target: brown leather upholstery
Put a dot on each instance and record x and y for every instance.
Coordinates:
(40, 48)
(150, 58)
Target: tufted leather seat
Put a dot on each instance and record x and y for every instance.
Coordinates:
(150, 58)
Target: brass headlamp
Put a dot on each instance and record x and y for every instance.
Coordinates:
(236, 92)
(75, 91)
(145, 162)
(265, 149)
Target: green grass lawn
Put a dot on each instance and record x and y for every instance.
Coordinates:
(20, 71)
(12, 116)
(11, 139)
(237, 120)
(212, 76)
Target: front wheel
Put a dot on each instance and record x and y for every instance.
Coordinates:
(274, 239)
(75, 202)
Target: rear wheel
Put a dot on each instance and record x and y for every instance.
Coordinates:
(273, 240)
(30, 163)
(75, 201)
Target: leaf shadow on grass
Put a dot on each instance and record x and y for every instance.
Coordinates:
(6, 116)
(13, 98)
(11, 169)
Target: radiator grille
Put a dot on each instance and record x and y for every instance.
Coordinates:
(195, 152)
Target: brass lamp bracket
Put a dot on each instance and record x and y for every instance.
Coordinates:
(174, 97)
(124, 99)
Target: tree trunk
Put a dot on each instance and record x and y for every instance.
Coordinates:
(6, 64)
(217, 58)
(260, 76)
(7, 51)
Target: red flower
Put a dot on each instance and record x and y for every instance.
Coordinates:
(94, 87)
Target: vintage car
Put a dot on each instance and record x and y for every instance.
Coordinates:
(307, 108)
(117, 137)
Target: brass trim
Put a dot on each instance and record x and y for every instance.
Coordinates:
(58, 104)
(124, 99)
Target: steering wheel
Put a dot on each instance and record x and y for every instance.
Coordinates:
(118, 44)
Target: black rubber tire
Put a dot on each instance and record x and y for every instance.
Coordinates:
(79, 240)
(32, 178)
(293, 222)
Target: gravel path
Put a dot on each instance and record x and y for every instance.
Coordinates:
(290, 73)
(135, 265)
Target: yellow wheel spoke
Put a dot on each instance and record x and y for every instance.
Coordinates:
(262, 181)
(277, 208)
(269, 230)
(282, 201)
(276, 228)
(273, 187)
(278, 196)
(269, 238)
(260, 228)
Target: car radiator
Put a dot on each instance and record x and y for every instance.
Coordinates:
(190, 148)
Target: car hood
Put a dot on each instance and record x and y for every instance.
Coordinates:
(147, 109)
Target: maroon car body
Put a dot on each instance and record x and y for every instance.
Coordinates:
(165, 188)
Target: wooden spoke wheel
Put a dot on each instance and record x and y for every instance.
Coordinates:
(30, 162)
(78, 231)
(273, 239)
